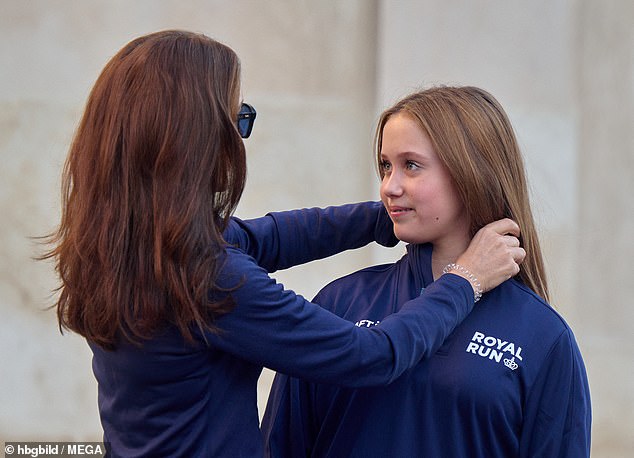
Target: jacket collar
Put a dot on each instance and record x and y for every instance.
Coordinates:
(419, 262)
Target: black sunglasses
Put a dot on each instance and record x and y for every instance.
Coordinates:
(246, 118)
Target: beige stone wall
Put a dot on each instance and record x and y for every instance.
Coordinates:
(604, 236)
(319, 73)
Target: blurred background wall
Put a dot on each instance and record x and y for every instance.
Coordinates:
(319, 73)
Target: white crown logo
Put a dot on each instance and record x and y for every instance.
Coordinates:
(510, 363)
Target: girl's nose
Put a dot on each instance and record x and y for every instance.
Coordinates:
(391, 185)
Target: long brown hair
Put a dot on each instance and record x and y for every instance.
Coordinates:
(152, 176)
(473, 137)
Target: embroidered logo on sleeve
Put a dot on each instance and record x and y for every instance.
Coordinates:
(495, 349)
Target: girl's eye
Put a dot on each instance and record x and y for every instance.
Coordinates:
(411, 165)
(385, 166)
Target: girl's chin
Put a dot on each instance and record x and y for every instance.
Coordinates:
(408, 237)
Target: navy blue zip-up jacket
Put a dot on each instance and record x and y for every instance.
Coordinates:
(508, 382)
(170, 398)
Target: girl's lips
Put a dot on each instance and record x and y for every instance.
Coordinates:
(399, 211)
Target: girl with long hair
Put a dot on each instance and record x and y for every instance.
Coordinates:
(510, 380)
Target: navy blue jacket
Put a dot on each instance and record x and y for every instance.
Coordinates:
(170, 398)
(508, 382)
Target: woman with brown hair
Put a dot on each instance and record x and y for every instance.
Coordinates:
(173, 295)
(510, 380)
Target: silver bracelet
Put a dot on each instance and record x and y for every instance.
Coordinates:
(477, 288)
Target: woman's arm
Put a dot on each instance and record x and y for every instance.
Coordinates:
(276, 328)
(284, 239)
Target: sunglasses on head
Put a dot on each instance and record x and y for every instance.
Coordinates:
(246, 118)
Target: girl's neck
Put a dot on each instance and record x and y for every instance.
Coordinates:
(446, 253)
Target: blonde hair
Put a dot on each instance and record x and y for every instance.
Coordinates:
(473, 137)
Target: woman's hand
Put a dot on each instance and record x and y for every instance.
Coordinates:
(494, 254)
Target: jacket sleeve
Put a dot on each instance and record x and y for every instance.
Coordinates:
(286, 424)
(285, 239)
(289, 426)
(557, 418)
(276, 328)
